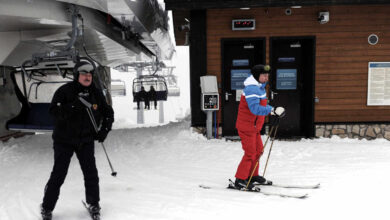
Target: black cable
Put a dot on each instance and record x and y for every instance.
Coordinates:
(86, 53)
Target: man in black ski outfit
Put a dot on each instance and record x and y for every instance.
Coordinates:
(75, 133)
(153, 96)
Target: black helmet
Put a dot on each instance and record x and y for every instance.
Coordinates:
(259, 69)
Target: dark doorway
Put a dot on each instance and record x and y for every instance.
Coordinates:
(292, 84)
(238, 56)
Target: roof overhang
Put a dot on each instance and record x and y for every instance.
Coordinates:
(209, 4)
(116, 31)
(181, 8)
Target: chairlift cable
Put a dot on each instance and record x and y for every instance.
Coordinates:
(156, 66)
(102, 85)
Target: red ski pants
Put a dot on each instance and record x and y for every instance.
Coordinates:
(253, 149)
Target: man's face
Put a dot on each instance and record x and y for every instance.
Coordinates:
(85, 79)
(263, 77)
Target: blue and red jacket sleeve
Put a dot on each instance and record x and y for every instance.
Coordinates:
(253, 95)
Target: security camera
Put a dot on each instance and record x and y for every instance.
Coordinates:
(323, 17)
(184, 27)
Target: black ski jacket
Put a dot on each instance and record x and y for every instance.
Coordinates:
(72, 122)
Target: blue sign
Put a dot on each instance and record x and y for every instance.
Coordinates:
(286, 59)
(238, 77)
(241, 62)
(286, 79)
(379, 64)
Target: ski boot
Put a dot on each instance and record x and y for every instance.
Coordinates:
(46, 214)
(242, 184)
(259, 180)
(94, 211)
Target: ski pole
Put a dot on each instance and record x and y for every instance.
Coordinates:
(90, 114)
(257, 162)
(270, 149)
(113, 173)
(265, 144)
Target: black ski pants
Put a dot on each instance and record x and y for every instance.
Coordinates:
(62, 156)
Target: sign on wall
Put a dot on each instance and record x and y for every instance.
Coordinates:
(286, 79)
(241, 62)
(238, 77)
(378, 92)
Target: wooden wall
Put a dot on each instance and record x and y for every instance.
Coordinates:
(342, 51)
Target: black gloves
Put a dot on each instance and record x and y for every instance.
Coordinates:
(106, 127)
(107, 123)
(102, 134)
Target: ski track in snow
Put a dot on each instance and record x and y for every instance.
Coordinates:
(160, 169)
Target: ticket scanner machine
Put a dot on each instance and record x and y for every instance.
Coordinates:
(209, 100)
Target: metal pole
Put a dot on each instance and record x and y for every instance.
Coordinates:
(140, 111)
(209, 124)
(93, 121)
(113, 173)
(160, 111)
(270, 149)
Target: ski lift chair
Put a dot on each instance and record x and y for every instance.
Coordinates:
(34, 115)
(173, 91)
(118, 87)
(158, 82)
(171, 80)
(173, 88)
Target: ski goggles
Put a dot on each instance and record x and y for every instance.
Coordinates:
(84, 69)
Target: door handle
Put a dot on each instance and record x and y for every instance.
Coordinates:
(273, 94)
(227, 96)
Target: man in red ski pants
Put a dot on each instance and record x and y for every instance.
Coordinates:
(250, 119)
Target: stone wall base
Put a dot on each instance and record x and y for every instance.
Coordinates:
(360, 131)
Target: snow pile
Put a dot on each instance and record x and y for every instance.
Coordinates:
(160, 169)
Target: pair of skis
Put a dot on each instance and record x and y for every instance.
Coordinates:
(314, 186)
(256, 189)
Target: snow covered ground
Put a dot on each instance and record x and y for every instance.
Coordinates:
(160, 168)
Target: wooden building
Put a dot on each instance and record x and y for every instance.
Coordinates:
(319, 51)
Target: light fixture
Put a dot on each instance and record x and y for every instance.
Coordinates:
(288, 11)
(245, 8)
(185, 26)
(295, 45)
(373, 39)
